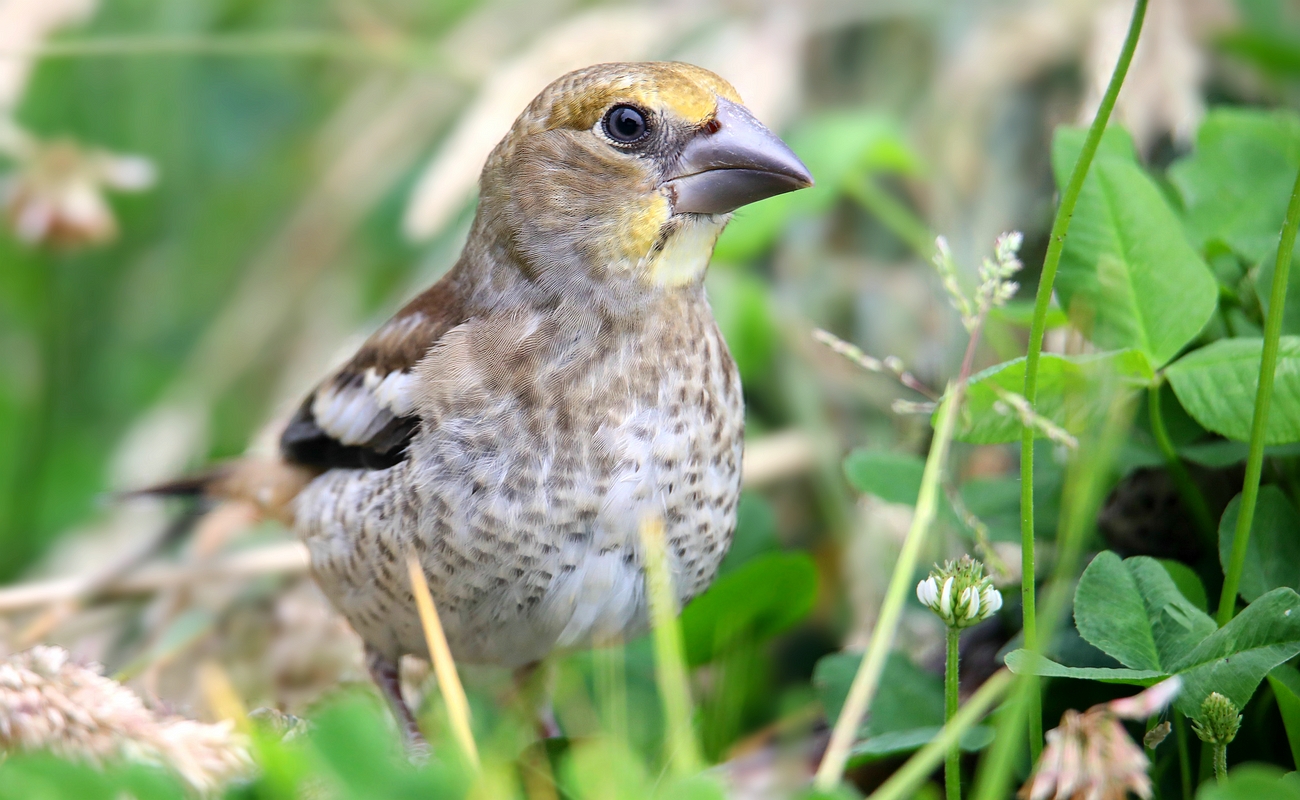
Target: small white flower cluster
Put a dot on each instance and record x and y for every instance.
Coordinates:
(960, 593)
(996, 286)
(1010, 403)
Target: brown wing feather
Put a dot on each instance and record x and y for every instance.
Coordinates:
(362, 416)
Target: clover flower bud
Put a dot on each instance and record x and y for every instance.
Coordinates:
(1220, 720)
(960, 593)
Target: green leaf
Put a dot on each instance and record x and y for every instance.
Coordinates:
(893, 477)
(1285, 681)
(1234, 659)
(1026, 662)
(1128, 276)
(1273, 552)
(1252, 782)
(765, 596)
(1063, 382)
(898, 743)
(1133, 611)
(1231, 661)
(836, 147)
(755, 532)
(1217, 386)
(914, 699)
(1236, 183)
(1187, 581)
(1111, 615)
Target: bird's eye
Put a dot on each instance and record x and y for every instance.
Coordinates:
(626, 124)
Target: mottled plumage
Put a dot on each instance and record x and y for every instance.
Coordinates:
(550, 435)
(514, 425)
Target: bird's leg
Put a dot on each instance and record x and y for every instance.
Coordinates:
(384, 672)
(533, 687)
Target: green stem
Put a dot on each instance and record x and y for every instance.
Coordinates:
(1221, 762)
(1069, 198)
(904, 783)
(1084, 489)
(1192, 497)
(952, 767)
(1267, 367)
(867, 679)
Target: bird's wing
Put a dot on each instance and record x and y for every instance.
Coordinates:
(363, 416)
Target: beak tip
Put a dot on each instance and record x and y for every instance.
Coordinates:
(739, 162)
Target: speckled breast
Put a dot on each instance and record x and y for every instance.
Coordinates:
(547, 438)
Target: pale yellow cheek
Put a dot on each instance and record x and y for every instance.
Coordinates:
(686, 254)
(637, 232)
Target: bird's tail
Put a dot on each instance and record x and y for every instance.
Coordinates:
(270, 485)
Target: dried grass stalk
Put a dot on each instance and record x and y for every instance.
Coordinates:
(444, 666)
(50, 702)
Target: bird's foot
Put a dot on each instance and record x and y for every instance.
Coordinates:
(386, 675)
(533, 686)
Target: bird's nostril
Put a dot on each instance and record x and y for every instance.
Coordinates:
(712, 126)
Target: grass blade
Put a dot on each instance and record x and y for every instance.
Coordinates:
(683, 752)
(867, 679)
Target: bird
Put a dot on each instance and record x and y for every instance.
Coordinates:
(514, 425)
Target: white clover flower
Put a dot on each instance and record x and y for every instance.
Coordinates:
(960, 593)
(991, 599)
(56, 194)
(1090, 755)
(927, 591)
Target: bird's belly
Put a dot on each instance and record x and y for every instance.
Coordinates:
(526, 549)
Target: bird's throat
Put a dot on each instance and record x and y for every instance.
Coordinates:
(685, 252)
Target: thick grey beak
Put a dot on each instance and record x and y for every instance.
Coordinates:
(738, 163)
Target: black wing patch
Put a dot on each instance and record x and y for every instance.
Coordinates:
(304, 442)
(365, 415)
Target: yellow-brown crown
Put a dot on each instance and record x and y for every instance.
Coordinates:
(577, 100)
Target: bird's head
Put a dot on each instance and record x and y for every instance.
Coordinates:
(624, 175)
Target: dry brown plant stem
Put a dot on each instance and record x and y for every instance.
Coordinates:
(444, 666)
